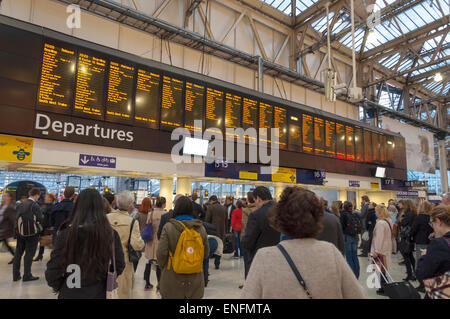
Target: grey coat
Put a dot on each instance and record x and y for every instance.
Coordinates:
(217, 215)
(363, 215)
(332, 231)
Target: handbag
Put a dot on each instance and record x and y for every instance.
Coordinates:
(133, 255)
(295, 270)
(147, 233)
(112, 287)
(438, 287)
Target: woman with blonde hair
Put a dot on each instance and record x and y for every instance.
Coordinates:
(335, 207)
(381, 249)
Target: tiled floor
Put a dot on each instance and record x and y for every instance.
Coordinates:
(223, 282)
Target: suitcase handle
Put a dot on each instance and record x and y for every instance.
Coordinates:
(385, 270)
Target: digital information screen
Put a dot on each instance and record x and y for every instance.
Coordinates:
(295, 136)
(57, 76)
(308, 133)
(367, 146)
(319, 136)
(340, 143)
(90, 86)
(249, 113)
(390, 147)
(349, 144)
(233, 106)
(280, 122)
(375, 148)
(330, 138)
(171, 109)
(265, 120)
(359, 145)
(383, 142)
(193, 105)
(214, 109)
(147, 98)
(120, 91)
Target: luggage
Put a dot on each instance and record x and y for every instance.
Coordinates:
(396, 290)
(229, 244)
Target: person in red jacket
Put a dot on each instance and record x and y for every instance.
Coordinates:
(236, 227)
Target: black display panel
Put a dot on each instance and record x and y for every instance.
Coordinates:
(119, 102)
(233, 107)
(308, 133)
(295, 133)
(349, 142)
(147, 99)
(90, 86)
(359, 145)
(214, 109)
(383, 142)
(319, 136)
(368, 155)
(265, 120)
(57, 78)
(193, 105)
(340, 142)
(171, 103)
(280, 122)
(330, 138)
(375, 148)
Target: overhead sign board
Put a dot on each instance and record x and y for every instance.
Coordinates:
(97, 161)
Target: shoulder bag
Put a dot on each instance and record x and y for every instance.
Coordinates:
(112, 287)
(147, 233)
(133, 255)
(295, 270)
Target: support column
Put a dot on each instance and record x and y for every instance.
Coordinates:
(184, 185)
(443, 165)
(166, 190)
(260, 84)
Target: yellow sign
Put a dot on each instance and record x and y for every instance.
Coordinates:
(284, 175)
(375, 185)
(248, 175)
(16, 149)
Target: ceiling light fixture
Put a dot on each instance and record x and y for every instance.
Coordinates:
(437, 77)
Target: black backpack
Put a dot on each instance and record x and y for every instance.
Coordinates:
(353, 224)
(27, 222)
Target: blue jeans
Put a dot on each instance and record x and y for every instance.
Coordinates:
(212, 249)
(237, 239)
(351, 253)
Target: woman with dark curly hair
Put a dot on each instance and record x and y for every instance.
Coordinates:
(305, 267)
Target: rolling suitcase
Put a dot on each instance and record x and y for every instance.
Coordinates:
(228, 244)
(396, 290)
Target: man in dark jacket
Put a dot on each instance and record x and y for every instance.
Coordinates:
(371, 220)
(27, 213)
(332, 230)
(365, 201)
(259, 233)
(229, 207)
(61, 211)
(198, 208)
(217, 215)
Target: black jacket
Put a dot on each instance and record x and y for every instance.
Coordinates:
(25, 207)
(210, 229)
(7, 223)
(421, 229)
(164, 218)
(363, 215)
(346, 218)
(332, 231)
(436, 262)
(406, 222)
(371, 220)
(199, 210)
(91, 287)
(259, 233)
(59, 214)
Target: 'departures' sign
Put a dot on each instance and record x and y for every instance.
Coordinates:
(419, 145)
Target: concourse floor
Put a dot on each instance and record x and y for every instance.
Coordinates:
(224, 283)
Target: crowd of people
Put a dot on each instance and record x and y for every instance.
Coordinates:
(313, 248)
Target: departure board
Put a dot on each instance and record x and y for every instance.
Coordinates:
(120, 91)
(308, 133)
(171, 103)
(330, 138)
(383, 142)
(390, 147)
(265, 120)
(193, 105)
(57, 76)
(295, 136)
(90, 85)
(375, 148)
(249, 113)
(340, 141)
(280, 122)
(368, 146)
(359, 145)
(147, 98)
(233, 107)
(349, 144)
(214, 109)
(319, 136)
